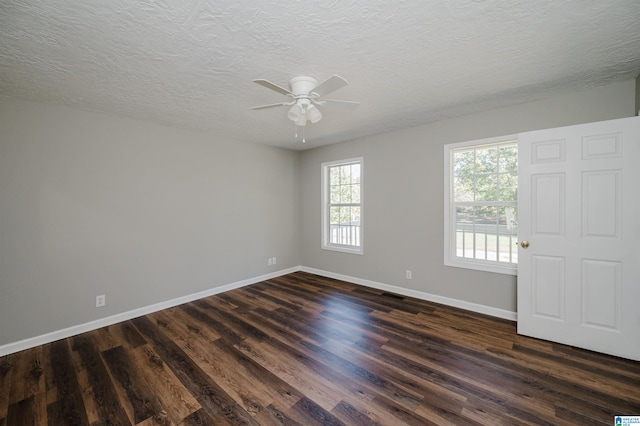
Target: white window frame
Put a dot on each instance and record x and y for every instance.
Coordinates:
(450, 258)
(326, 222)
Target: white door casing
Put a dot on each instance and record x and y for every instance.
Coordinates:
(579, 209)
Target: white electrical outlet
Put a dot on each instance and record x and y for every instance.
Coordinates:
(408, 274)
(275, 260)
(101, 300)
(269, 262)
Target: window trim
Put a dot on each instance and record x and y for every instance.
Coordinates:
(450, 259)
(325, 222)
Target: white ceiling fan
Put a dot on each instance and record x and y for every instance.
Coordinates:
(306, 93)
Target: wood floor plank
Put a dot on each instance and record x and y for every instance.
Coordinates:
(107, 338)
(235, 322)
(6, 373)
(301, 349)
(309, 413)
(179, 323)
(270, 302)
(27, 378)
(69, 406)
(290, 298)
(288, 323)
(198, 418)
(260, 300)
(349, 414)
(175, 399)
(29, 411)
(275, 392)
(140, 395)
(129, 336)
(271, 415)
(103, 392)
(49, 382)
(200, 309)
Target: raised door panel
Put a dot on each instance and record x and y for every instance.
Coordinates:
(601, 204)
(601, 287)
(548, 287)
(548, 199)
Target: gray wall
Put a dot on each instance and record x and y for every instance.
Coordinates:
(403, 194)
(637, 108)
(92, 204)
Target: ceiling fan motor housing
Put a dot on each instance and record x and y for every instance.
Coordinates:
(302, 85)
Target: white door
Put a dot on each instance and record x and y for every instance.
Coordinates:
(579, 212)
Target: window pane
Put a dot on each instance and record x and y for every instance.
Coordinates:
(486, 215)
(355, 173)
(345, 174)
(508, 159)
(487, 160)
(463, 188)
(508, 232)
(463, 162)
(508, 187)
(355, 193)
(486, 242)
(486, 187)
(334, 194)
(464, 231)
(345, 194)
(334, 176)
(486, 229)
(344, 227)
(490, 250)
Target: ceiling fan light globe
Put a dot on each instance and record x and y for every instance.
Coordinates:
(302, 121)
(314, 114)
(295, 113)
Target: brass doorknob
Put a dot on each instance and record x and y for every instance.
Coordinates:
(525, 244)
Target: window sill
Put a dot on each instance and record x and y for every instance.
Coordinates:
(343, 249)
(483, 266)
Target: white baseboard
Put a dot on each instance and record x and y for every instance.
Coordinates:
(475, 307)
(124, 316)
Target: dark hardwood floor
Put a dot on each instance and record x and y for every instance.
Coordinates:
(307, 350)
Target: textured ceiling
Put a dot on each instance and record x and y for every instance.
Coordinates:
(191, 63)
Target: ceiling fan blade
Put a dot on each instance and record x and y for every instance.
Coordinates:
(330, 85)
(272, 105)
(273, 86)
(342, 105)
